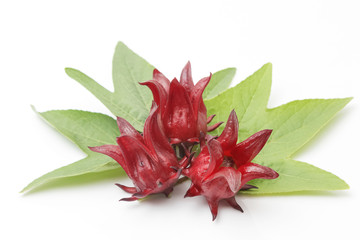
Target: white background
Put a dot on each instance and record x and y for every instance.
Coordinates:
(315, 50)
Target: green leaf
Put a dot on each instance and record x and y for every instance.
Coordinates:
(129, 100)
(84, 129)
(220, 81)
(249, 98)
(90, 164)
(297, 176)
(293, 124)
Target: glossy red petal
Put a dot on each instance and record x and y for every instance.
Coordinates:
(127, 129)
(248, 186)
(131, 190)
(224, 183)
(112, 151)
(169, 179)
(252, 171)
(232, 202)
(198, 166)
(229, 136)
(192, 191)
(216, 157)
(157, 142)
(179, 119)
(205, 163)
(186, 78)
(144, 192)
(210, 118)
(129, 199)
(202, 118)
(142, 168)
(247, 150)
(158, 91)
(196, 96)
(175, 141)
(167, 191)
(214, 206)
(160, 78)
(213, 127)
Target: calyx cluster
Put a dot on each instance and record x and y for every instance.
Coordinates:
(178, 121)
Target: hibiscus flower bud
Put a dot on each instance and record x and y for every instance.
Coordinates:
(148, 160)
(182, 110)
(223, 167)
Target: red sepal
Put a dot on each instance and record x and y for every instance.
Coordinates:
(247, 150)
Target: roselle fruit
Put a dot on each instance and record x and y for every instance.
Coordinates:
(148, 160)
(182, 110)
(223, 167)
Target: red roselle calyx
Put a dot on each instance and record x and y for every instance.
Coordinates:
(148, 160)
(182, 109)
(224, 167)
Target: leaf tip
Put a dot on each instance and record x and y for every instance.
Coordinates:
(69, 71)
(120, 44)
(232, 72)
(232, 69)
(343, 185)
(344, 101)
(348, 99)
(33, 108)
(26, 189)
(268, 65)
